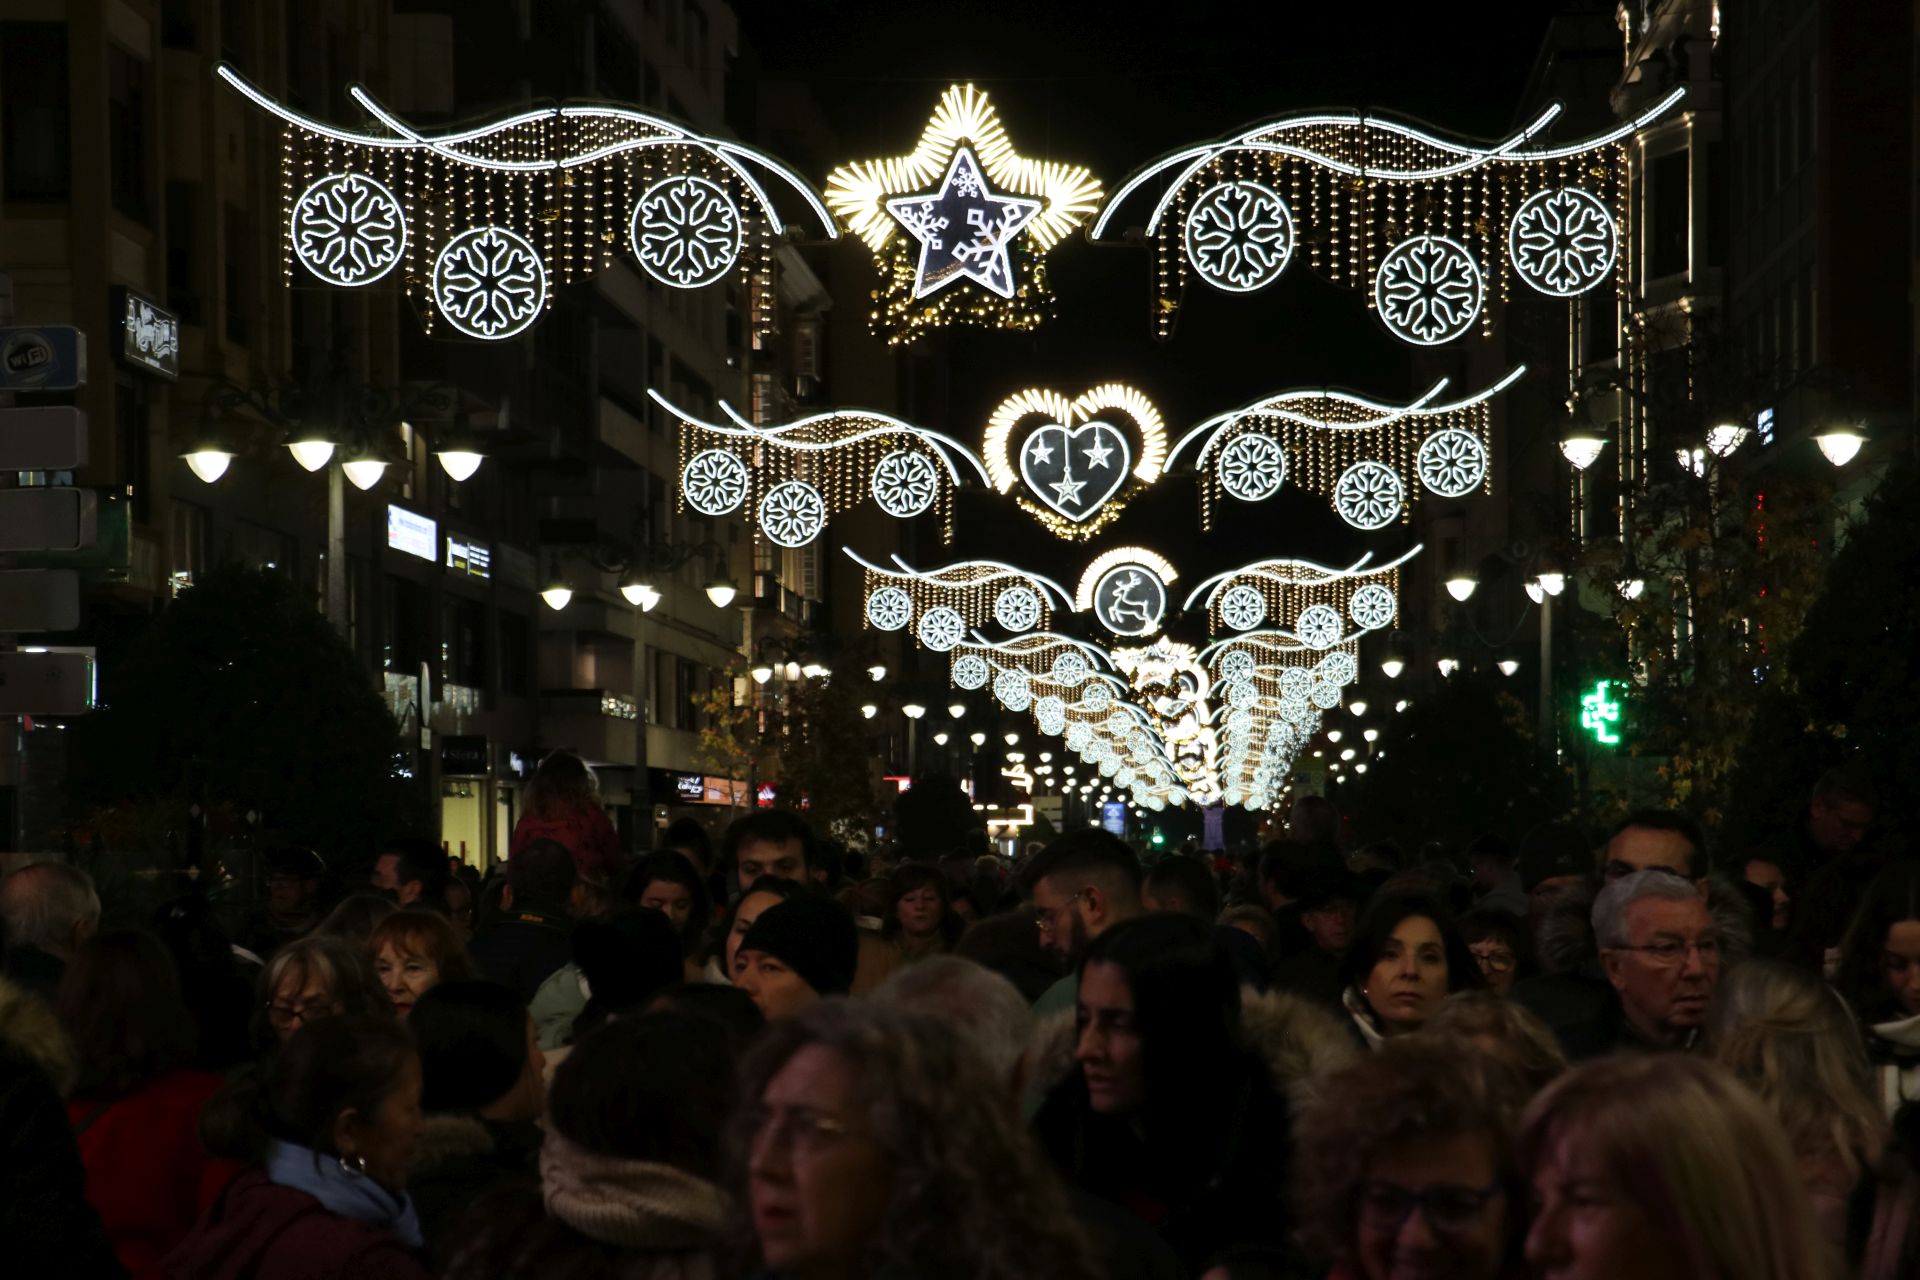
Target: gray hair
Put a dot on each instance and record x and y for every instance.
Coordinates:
(43, 901)
(987, 1010)
(1610, 908)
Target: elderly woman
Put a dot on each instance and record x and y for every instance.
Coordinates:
(1404, 1165)
(413, 952)
(312, 978)
(1664, 1167)
(872, 1142)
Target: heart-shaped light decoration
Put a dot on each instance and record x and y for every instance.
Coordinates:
(1080, 459)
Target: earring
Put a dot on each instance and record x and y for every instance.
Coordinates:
(354, 1165)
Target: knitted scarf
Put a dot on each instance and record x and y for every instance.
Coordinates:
(633, 1204)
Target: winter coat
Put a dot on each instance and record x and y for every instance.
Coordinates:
(524, 950)
(1894, 1046)
(560, 999)
(258, 1230)
(1292, 1044)
(147, 1174)
(460, 1159)
(47, 1228)
(587, 833)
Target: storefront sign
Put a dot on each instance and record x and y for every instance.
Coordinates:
(464, 756)
(1113, 817)
(765, 797)
(149, 336)
(471, 558)
(412, 533)
(691, 788)
(48, 358)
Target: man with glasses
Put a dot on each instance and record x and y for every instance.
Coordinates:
(1082, 884)
(1660, 949)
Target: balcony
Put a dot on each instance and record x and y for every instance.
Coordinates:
(601, 724)
(771, 595)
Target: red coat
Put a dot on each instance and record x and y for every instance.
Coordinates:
(147, 1176)
(262, 1231)
(587, 833)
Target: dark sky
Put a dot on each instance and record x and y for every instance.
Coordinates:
(1112, 87)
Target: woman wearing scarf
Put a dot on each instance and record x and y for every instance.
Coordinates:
(329, 1132)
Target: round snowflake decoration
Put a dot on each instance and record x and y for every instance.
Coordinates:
(489, 282)
(1097, 697)
(1243, 608)
(1252, 467)
(941, 628)
(792, 514)
(904, 483)
(1338, 667)
(1562, 241)
(686, 232)
(1325, 695)
(714, 482)
(1294, 682)
(970, 671)
(1239, 236)
(1013, 690)
(1017, 609)
(1241, 694)
(1372, 607)
(1428, 290)
(890, 609)
(1452, 462)
(348, 229)
(1235, 664)
(1051, 707)
(1369, 495)
(1079, 734)
(1069, 668)
(1318, 626)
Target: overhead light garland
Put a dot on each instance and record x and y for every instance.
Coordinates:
(974, 591)
(793, 476)
(960, 226)
(1321, 606)
(1427, 227)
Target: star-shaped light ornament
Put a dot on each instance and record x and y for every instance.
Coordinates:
(960, 226)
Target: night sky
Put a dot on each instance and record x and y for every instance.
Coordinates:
(1113, 87)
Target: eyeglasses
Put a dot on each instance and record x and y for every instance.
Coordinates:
(1494, 961)
(1668, 952)
(1385, 1207)
(802, 1131)
(1048, 916)
(285, 1015)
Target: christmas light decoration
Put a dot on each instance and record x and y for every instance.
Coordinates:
(1316, 438)
(797, 475)
(1126, 590)
(1456, 219)
(1363, 591)
(1076, 463)
(977, 219)
(975, 590)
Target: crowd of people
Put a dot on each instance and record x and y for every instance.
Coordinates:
(782, 1058)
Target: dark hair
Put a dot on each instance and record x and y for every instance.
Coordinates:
(685, 833)
(120, 1002)
(829, 857)
(1678, 821)
(329, 1067)
(1009, 944)
(1846, 784)
(730, 1007)
(1892, 897)
(422, 860)
(1088, 852)
(1281, 859)
(561, 783)
(1191, 879)
(1385, 914)
(716, 945)
(775, 826)
(1313, 820)
(354, 918)
(472, 1038)
(911, 877)
(655, 1088)
(1493, 848)
(542, 875)
(626, 960)
(1484, 924)
(670, 867)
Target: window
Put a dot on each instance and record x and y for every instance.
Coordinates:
(1716, 210)
(400, 647)
(183, 226)
(177, 27)
(1667, 233)
(127, 133)
(187, 543)
(257, 547)
(516, 652)
(34, 125)
(238, 272)
(463, 642)
(130, 426)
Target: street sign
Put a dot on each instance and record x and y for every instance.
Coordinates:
(46, 684)
(47, 519)
(49, 438)
(42, 358)
(34, 600)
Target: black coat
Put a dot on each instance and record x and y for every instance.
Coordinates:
(47, 1225)
(459, 1161)
(524, 949)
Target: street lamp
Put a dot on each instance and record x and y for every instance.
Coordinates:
(1012, 739)
(721, 591)
(1631, 588)
(956, 709)
(940, 739)
(1553, 583)
(1461, 587)
(640, 593)
(913, 711)
(1359, 707)
(1333, 735)
(978, 739)
(868, 711)
(557, 592)
(1392, 666)
(1723, 439)
(1448, 666)
(1840, 444)
(311, 446)
(762, 673)
(1582, 447)
(208, 461)
(878, 672)
(1508, 666)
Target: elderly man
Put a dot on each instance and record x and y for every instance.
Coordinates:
(50, 909)
(1660, 949)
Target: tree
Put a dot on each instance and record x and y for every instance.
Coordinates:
(826, 757)
(240, 698)
(1456, 764)
(730, 745)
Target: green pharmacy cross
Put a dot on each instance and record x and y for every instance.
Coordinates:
(1599, 714)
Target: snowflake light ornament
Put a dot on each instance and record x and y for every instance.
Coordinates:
(1369, 495)
(1252, 467)
(941, 628)
(890, 609)
(970, 671)
(1239, 236)
(1013, 689)
(1294, 682)
(348, 229)
(1428, 290)
(792, 513)
(1243, 608)
(1338, 666)
(686, 232)
(1452, 462)
(1079, 734)
(1237, 662)
(1069, 668)
(1318, 626)
(904, 483)
(1017, 609)
(714, 482)
(1325, 695)
(1098, 697)
(489, 282)
(1372, 607)
(1562, 241)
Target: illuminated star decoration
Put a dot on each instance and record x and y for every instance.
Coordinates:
(963, 229)
(994, 213)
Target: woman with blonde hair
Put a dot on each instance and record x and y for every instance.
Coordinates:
(1502, 1029)
(1791, 1040)
(1665, 1167)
